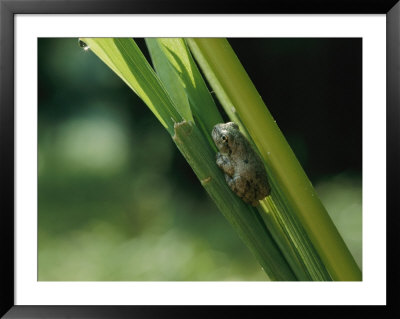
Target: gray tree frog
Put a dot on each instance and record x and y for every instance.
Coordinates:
(243, 168)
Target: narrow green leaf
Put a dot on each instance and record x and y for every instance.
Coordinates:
(169, 78)
(124, 57)
(202, 104)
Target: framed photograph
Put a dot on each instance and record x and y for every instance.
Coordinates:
(166, 159)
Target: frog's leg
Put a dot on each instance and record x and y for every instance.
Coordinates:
(255, 203)
(225, 164)
(243, 189)
(240, 185)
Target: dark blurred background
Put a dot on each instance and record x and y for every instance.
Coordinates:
(117, 201)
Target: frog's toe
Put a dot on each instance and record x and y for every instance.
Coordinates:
(255, 203)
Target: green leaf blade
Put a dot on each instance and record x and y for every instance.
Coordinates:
(201, 102)
(124, 57)
(170, 79)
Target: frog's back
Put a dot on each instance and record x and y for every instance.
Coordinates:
(254, 170)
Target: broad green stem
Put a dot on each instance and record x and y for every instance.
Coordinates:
(293, 185)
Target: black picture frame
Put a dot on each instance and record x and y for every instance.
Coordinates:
(8, 10)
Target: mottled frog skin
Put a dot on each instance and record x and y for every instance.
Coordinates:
(243, 168)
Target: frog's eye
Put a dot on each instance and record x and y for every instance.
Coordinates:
(224, 138)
